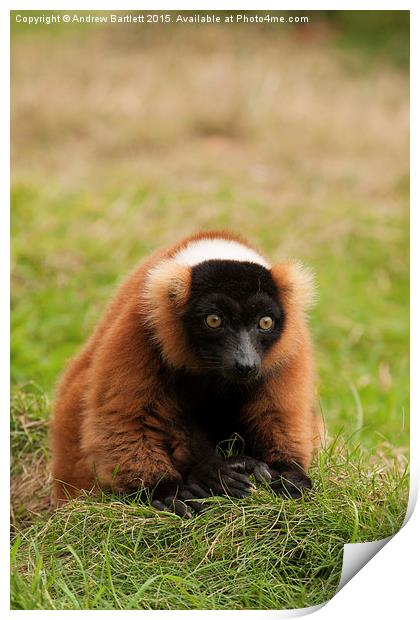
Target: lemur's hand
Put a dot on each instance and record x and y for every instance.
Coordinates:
(179, 498)
(289, 479)
(248, 464)
(220, 477)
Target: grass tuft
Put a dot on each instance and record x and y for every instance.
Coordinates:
(262, 552)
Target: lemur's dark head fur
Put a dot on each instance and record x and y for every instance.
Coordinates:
(233, 317)
(217, 306)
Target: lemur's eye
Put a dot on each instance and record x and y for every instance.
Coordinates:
(265, 323)
(213, 321)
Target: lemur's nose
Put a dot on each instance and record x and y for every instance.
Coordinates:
(245, 369)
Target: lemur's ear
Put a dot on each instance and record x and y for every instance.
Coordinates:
(166, 292)
(168, 282)
(296, 284)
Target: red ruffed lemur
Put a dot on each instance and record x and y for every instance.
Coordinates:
(202, 341)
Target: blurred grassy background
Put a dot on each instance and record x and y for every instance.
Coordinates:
(125, 138)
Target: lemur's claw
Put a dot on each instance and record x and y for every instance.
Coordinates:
(291, 483)
(221, 478)
(179, 498)
(248, 464)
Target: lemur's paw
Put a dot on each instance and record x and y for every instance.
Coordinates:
(221, 478)
(291, 482)
(179, 498)
(248, 464)
(172, 504)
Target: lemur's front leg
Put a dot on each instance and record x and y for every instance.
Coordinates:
(280, 433)
(286, 455)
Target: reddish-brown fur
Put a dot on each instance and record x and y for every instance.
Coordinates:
(103, 431)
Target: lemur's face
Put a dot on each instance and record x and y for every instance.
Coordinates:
(233, 317)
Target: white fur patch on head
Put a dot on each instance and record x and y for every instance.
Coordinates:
(197, 252)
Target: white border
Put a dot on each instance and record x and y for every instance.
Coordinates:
(387, 586)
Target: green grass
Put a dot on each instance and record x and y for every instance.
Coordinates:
(259, 553)
(309, 160)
